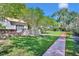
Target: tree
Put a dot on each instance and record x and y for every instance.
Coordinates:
(13, 10)
(36, 15)
(74, 25)
(65, 17)
(47, 23)
(32, 18)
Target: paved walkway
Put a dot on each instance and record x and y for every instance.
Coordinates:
(58, 48)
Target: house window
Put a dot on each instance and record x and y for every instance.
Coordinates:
(19, 28)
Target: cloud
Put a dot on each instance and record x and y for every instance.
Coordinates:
(63, 5)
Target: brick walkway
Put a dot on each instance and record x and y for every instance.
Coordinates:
(58, 48)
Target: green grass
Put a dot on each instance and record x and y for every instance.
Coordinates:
(54, 33)
(69, 46)
(33, 45)
(72, 48)
(28, 45)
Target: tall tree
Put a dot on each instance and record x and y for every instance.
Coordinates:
(65, 17)
(14, 10)
(32, 18)
(36, 15)
(47, 23)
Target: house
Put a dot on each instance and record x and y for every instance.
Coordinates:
(15, 24)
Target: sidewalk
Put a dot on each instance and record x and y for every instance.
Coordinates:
(58, 48)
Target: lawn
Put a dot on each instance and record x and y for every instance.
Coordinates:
(69, 46)
(27, 45)
(54, 33)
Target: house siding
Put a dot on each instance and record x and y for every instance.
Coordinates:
(19, 29)
(7, 24)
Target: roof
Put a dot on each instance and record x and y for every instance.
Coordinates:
(7, 29)
(17, 23)
(15, 20)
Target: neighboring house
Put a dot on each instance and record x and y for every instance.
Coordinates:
(15, 24)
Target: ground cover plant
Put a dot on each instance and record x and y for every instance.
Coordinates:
(27, 45)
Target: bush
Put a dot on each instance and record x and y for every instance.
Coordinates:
(5, 49)
(2, 27)
(27, 45)
(69, 33)
(55, 29)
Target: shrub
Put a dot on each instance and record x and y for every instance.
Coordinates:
(27, 45)
(5, 49)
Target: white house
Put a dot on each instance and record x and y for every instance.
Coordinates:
(11, 23)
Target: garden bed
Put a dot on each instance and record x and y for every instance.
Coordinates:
(27, 45)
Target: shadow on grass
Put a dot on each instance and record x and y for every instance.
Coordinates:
(72, 44)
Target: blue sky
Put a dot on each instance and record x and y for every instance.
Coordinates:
(50, 8)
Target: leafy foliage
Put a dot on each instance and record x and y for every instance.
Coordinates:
(34, 17)
(2, 27)
(30, 45)
(11, 10)
(66, 18)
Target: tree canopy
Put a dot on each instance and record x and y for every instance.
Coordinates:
(34, 17)
(65, 17)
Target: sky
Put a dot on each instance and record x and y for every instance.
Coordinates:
(50, 8)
